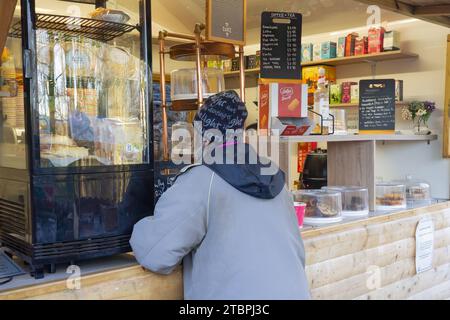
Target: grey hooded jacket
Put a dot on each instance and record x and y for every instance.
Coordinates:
(235, 231)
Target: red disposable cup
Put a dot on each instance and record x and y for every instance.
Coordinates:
(300, 210)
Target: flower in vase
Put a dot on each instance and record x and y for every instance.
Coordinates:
(421, 113)
(406, 114)
(430, 107)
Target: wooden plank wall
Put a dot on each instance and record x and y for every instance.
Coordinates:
(377, 261)
(371, 259)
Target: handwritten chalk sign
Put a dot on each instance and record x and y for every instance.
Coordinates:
(424, 245)
(226, 21)
(281, 35)
(377, 106)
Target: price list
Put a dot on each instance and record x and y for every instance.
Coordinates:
(280, 45)
(377, 105)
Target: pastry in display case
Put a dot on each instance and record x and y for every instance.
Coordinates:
(322, 206)
(355, 200)
(390, 196)
(418, 192)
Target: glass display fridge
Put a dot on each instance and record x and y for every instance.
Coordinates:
(76, 152)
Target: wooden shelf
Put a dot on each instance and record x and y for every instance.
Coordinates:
(351, 158)
(356, 105)
(368, 58)
(248, 72)
(157, 78)
(350, 138)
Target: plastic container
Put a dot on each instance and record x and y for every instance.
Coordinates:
(418, 192)
(391, 196)
(355, 201)
(184, 87)
(340, 125)
(322, 207)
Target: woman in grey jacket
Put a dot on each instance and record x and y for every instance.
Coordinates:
(234, 229)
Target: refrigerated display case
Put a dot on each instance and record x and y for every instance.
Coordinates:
(76, 151)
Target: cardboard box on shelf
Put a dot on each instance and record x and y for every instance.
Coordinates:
(328, 50)
(307, 52)
(347, 91)
(354, 93)
(335, 94)
(340, 51)
(310, 76)
(391, 41)
(376, 38)
(350, 42)
(317, 52)
(281, 101)
(361, 46)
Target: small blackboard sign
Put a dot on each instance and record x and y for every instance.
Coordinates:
(377, 106)
(281, 35)
(226, 21)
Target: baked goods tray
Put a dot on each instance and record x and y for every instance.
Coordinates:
(74, 26)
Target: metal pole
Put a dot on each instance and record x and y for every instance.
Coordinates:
(198, 51)
(242, 72)
(162, 68)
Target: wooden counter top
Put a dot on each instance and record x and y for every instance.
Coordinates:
(365, 259)
(123, 283)
(373, 219)
(374, 259)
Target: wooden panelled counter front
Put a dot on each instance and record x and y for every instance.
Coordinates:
(367, 259)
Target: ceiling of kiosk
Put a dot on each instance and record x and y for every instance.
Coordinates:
(319, 16)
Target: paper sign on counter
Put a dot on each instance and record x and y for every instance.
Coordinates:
(424, 245)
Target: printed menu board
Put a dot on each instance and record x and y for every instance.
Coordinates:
(424, 245)
(377, 106)
(281, 34)
(226, 21)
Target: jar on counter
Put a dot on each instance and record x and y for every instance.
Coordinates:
(390, 196)
(418, 192)
(355, 201)
(322, 207)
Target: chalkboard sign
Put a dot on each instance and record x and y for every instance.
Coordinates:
(377, 106)
(226, 21)
(281, 35)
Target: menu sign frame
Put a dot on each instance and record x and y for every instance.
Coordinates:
(425, 245)
(226, 21)
(281, 41)
(377, 106)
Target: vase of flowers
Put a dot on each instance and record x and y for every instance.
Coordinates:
(419, 112)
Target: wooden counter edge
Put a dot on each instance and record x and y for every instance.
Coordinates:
(35, 291)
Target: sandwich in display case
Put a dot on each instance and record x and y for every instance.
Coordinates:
(76, 151)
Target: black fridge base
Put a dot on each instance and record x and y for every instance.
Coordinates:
(43, 259)
(58, 219)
